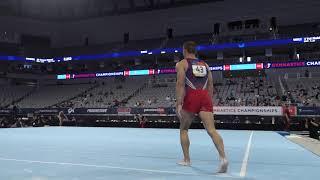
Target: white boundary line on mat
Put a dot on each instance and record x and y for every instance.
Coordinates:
(244, 165)
(120, 168)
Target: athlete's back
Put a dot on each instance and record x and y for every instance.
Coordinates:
(196, 74)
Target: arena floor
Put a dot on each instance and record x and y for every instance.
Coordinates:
(56, 153)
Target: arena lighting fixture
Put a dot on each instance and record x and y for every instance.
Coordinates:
(206, 47)
(30, 59)
(248, 59)
(150, 53)
(163, 52)
(241, 59)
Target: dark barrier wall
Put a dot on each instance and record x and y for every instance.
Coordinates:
(91, 111)
(296, 111)
(308, 111)
(156, 118)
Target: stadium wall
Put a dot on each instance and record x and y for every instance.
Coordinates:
(30, 27)
(153, 24)
(187, 20)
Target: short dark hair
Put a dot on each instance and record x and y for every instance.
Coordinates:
(190, 47)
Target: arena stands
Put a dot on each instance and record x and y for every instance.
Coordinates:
(48, 95)
(11, 93)
(304, 91)
(159, 92)
(246, 92)
(109, 92)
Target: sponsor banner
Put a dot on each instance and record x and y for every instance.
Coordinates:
(292, 110)
(216, 68)
(70, 110)
(284, 64)
(306, 39)
(124, 111)
(154, 111)
(311, 39)
(307, 111)
(5, 111)
(227, 67)
(167, 71)
(48, 111)
(75, 76)
(53, 111)
(97, 111)
(223, 110)
(108, 74)
(255, 111)
(313, 63)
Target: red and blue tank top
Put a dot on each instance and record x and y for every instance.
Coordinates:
(196, 74)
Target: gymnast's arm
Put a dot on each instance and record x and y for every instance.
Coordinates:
(180, 86)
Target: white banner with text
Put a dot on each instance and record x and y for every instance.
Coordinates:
(246, 110)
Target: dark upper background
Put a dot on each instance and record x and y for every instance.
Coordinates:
(49, 28)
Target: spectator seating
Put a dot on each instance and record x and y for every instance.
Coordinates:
(159, 91)
(49, 95)
(304, 91)
(245, 92)
(11, 93)
(110, 92)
